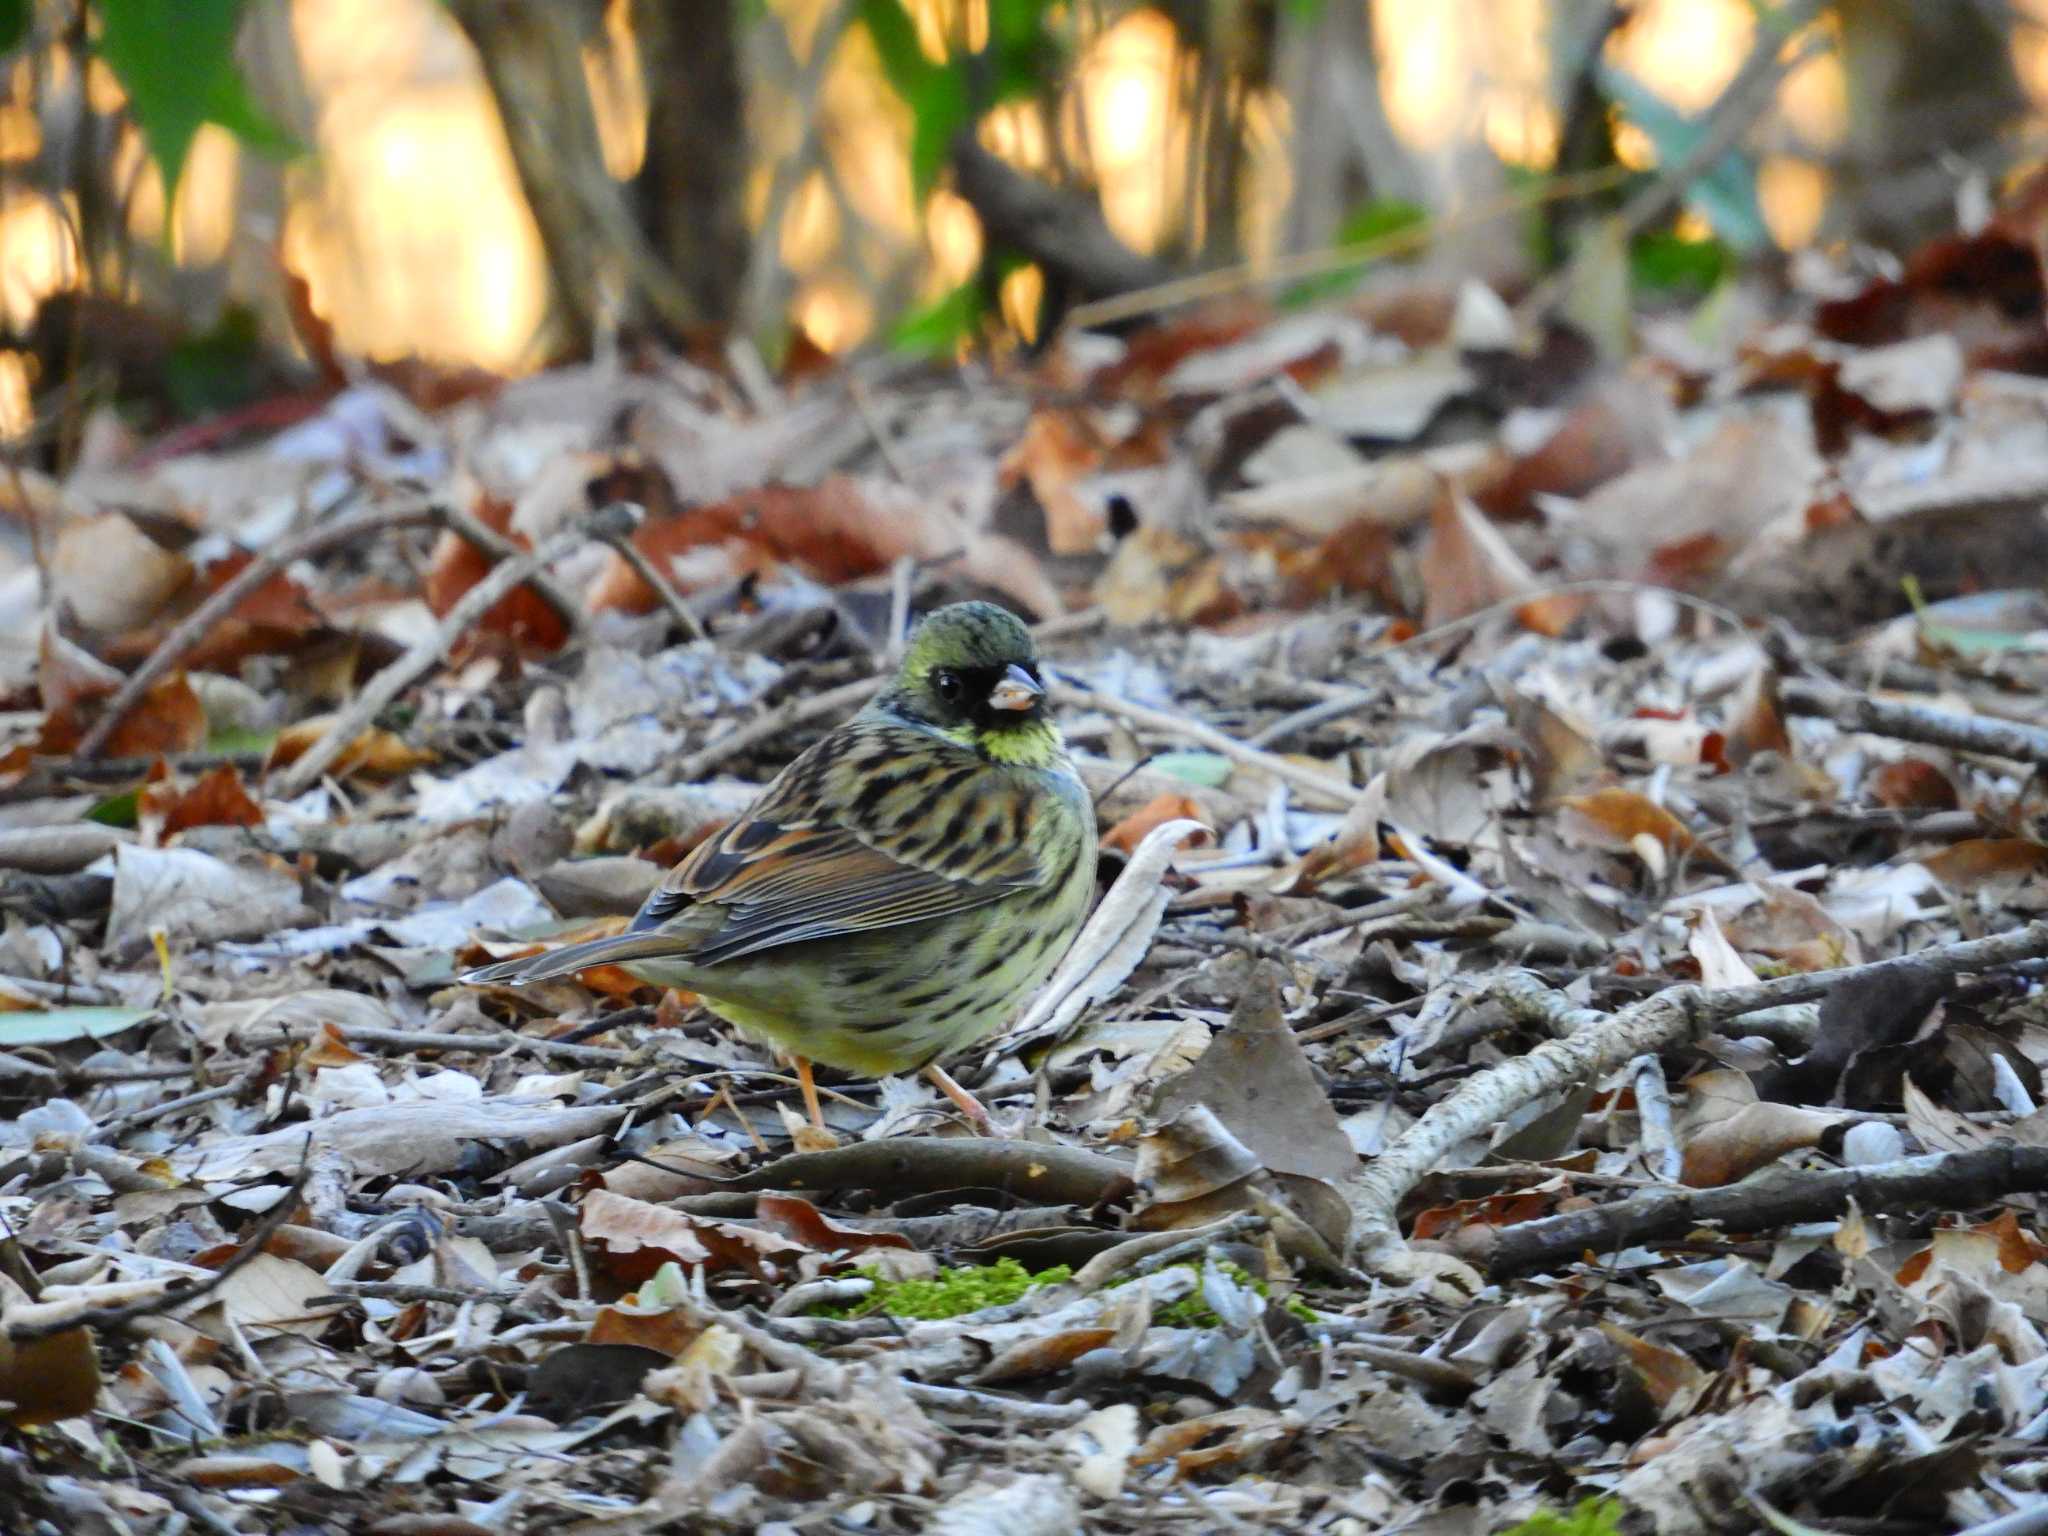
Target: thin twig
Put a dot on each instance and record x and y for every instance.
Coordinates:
(500, 546)
(1772, 1198)
(199, 623)
(408, 669)
(415, 1040)
(617, 535)
(795, 711)
(1336, 793)
(1916, 722)
(1288, 269)
(1338, 706)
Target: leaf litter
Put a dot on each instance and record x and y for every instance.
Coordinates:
(1562, 1021)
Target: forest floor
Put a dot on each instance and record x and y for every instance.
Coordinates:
(1563, 1021)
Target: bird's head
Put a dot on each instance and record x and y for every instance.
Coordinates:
(971, 673)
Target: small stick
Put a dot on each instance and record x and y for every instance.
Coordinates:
(1772, 1198)
(931, 1395)
(1335, 792)
(1916, 722)
(415, 1040)
(796, 711)
(197, 624)
(613, 526)
(115, 1129)
(499, 546)
(388, 684)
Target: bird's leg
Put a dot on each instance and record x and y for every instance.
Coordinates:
(803, 1079)
(975, 1111)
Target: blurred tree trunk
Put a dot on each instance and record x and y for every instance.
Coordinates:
(1345, 150)
(606, 277)
(1924, 77)
(688, 195)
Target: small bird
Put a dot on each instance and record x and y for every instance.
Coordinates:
(898, 889)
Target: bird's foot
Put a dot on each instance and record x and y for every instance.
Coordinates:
(976, 1112)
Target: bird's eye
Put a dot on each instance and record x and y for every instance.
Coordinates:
(948, 685)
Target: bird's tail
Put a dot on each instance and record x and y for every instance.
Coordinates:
(615, 950)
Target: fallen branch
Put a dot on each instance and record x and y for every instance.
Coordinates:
(199, 623)
(431, 650)
(502, 546)
(1772, 1198)
(1336, 794)
(902, 1164)
(506, 1040)
(1916, 722)
(613, 527)
(1598, 1043)
(795, 711)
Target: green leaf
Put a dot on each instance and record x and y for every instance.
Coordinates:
(1593, 1517)
(14, 19)
(218, 369)
(1664, 260)
(939, 327)
(1377, 220)
(1207, 769)
(1023, 49)
(1725, 192)
(935, 93)
(176, 61)
(61, 1026)
(240, 738)
(118, 809)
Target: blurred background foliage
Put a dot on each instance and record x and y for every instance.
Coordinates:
(204, 201)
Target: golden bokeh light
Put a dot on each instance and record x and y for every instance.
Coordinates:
(413, 235)
(618, 93)
(21, 135)
(810, 225)
(1815, 95)
(37, 255)
(204, 220)
(17, 411)
(1686, 51)
(1125, 78)
(1019, 298)
(867, 135)
(834, 311)
(2030, 49)
(1426, 66)
(399, 265)
(1793, 194)
(954, 234)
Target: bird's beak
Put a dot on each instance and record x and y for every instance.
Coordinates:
(1018, 691)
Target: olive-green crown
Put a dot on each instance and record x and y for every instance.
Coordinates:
(966, 636)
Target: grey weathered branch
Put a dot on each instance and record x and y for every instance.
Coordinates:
(1916, 722)
(1596, 1044)
(1772, 1198)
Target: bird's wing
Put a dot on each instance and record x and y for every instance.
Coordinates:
(876, 826)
